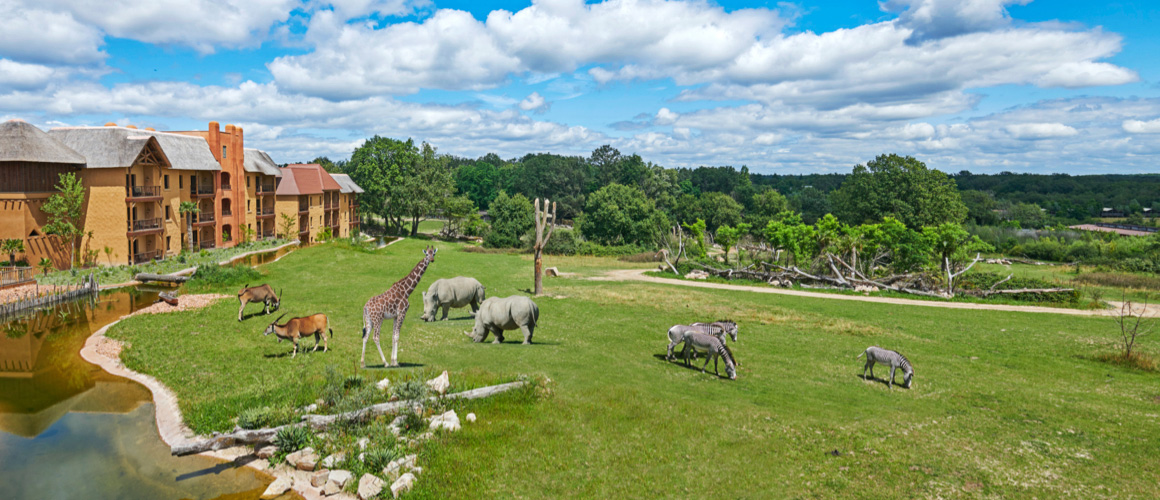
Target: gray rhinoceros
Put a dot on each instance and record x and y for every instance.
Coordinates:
(451, 292)
(507, 313)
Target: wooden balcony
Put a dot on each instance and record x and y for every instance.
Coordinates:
(266, 189)
(268, 235)
(13, 276)
(226, 212)
(227, 187)
(204, 219)
(145, 226)
(143, 257)
(143, 193)
(303, 209)
(205, 245)
(331, 206)
(266, 213)
(201, 192)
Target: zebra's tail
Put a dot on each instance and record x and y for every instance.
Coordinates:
(860, 355)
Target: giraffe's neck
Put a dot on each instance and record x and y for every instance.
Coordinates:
(408, 284)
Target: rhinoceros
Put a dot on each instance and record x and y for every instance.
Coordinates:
(451, 292)
(508, 313)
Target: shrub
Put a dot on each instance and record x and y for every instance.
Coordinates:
(257, 418)
(291, 439)
(562, 242)
(352, 381)
(1120, 280)
(979, 281)
(211, 275)
(410, 390)
(377, 458)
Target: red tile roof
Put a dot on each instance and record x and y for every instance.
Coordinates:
(305, 178)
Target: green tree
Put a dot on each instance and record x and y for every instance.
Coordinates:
(11, 247)
(812, 203)
(728, 237)
(719, 209)
(511, 218)
(562, 179)
(698, 230)
(981, 207)
(787, 232)
(186, 209)
(381, 166)
(457, 210)
(479, 181)
(424, 186)
(287, 225)
(617, 214)
(45, 265)
(899, 187)
(1028, 215)
(65, 210)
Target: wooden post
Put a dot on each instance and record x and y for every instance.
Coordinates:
(541, 240)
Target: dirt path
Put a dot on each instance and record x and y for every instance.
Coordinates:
(638, 275)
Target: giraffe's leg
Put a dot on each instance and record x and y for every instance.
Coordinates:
(378, 345)
(365, 333)
(395, 340)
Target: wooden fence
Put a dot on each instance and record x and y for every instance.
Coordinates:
(86, 288)
(12, 276)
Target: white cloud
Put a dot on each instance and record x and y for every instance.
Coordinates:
(1142, 127)
(536, 103)
(350, 9)
(934, 19)
(1036, 131)
(35, 35)
(20, 76)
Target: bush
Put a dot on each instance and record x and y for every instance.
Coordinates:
(377, 458)
(211, 275)
(257, 418)
(979, 281)
(410, 390)
(1120, 280)
(590, 248)
(291, 439)
(562, 242)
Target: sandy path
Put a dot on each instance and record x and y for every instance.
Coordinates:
(638, 275)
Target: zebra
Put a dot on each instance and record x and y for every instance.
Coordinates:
(718, 329)
(875, 354)
(713, 348)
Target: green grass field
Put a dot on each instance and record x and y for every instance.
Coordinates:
(1004, 405)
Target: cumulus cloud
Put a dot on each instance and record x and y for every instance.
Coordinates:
(536, 103)
(20, 76)
(1034, 131)
(34, 35)
(934, 19)
(1142, 127)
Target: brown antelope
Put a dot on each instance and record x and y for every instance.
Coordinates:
(261, 293)
(296, 328)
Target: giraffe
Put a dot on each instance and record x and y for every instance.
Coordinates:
(392, 304)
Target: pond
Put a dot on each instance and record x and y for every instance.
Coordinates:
(69, 429)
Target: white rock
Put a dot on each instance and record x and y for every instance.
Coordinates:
(267, 451)
(551, 271)
(363, 442)
(331, 488)
(341, 477)
(383, 384)
(304, 459)
(409, 461)
(402, 485)
(277, 488)
(449, 421)
(417, 470)
(697, 275)
(440, 384)
(332, 460)
(471, 417)
(310, 408)
(362, 457)
(318, 479)
(369, 486)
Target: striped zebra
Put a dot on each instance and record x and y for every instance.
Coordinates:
(713, 348)
(875, 354)
(719, 329)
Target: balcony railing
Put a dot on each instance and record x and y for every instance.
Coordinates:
(145, 225)
(226, 187)
(227, 212)
(266, 212)
(267, 235)
(207, 244)
(16, 275)
(204, 218)
(201, 191)
(143, 191)
(265, 189)
(139, 258)
(332, 206)
(303, 208)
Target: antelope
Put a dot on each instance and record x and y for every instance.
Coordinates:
(296, 328)
(261, 293)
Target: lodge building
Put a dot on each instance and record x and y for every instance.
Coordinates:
(136, 180)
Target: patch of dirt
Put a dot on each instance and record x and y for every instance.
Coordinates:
(184, 303)
(109, 348)
(30, 291)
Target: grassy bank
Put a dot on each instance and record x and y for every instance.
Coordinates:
(1004, 404)
(110, 275)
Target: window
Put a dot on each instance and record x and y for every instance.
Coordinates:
(180, 182)
(166, 182)
(248, 201)
(167, 239)
(223, 152)
(247, 181)
(168, 216)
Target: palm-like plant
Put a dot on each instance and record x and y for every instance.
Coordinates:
(11, 246)
(187, 209)
(45, 265)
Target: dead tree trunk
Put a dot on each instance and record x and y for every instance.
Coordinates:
(542, 217)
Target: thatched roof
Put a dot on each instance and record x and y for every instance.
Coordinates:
(22, 141)
(259, 162)
(347, 184)
(118, 147)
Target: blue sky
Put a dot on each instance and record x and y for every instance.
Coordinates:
(789, 87)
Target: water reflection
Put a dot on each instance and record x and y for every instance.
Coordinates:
(69, 429)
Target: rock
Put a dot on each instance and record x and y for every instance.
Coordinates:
(551, 271)
(471, 417)
(341, 477)
(440, 384)
(333, 460)
(331, 488)
(362, 457)
(865, 289)
(697, 275)
(402, 485)
(267, 451)
(304, 459)
(416, 470)
(383, 384)
(277, 488)
(363, 442)
(369, 486)
(393, 469)
(448, 421)
(310, 408)
(318, 479)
